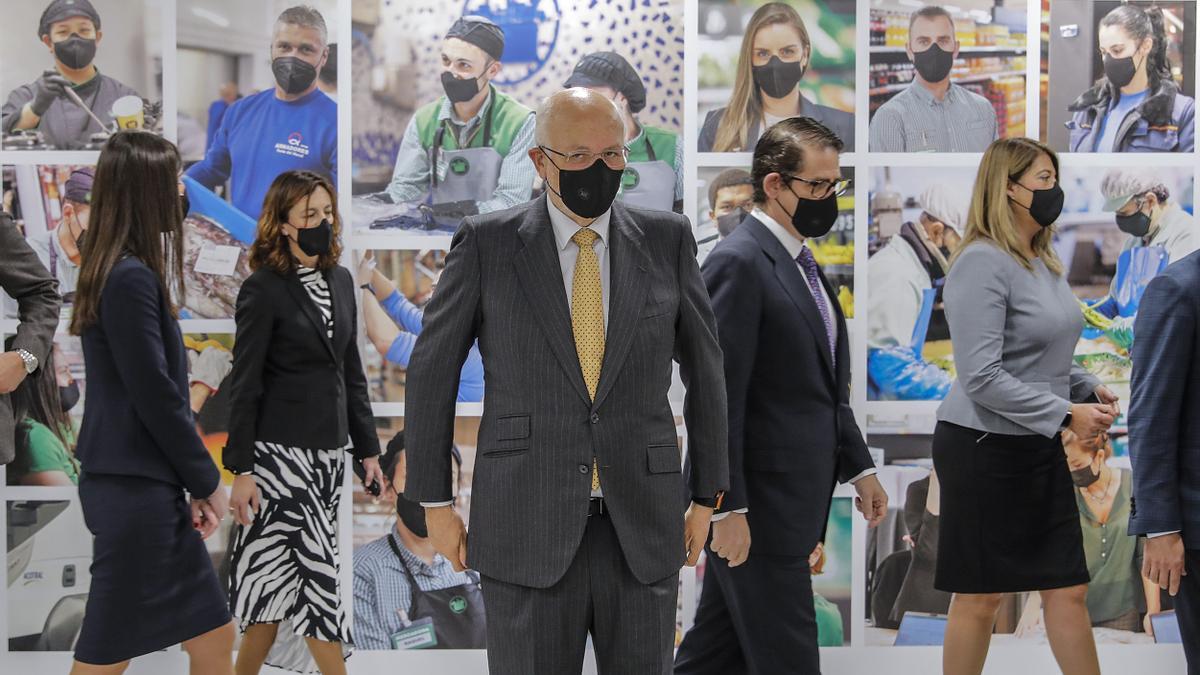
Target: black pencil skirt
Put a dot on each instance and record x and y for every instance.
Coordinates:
(153, 582)
(1009, 521)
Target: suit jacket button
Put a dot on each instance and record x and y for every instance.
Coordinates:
(595, 418)
(584, 468)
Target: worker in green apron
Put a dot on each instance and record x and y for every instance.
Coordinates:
(654, 172)
(468, 151)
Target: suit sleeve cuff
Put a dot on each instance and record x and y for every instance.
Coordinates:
(1156, 535)
(721, 516)
(434, 505)
(869, 472)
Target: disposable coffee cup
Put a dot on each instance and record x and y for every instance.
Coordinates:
(128, 112)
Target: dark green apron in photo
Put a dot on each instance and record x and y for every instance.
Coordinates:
(447, 618)
(648, 183)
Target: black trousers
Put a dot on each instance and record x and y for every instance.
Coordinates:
(543, 631)
(754, 619)
(1187, 609)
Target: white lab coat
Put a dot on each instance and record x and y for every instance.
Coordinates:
(896, 283)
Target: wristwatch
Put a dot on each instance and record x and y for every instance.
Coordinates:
(1066, 423)
(31, 361)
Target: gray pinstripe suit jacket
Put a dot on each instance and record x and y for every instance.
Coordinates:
(503, 286)
(24, 277)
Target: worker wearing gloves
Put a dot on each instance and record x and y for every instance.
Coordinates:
(913, 262)
(70, 30)
(1160, 233)
(653, 176)
(467, 151)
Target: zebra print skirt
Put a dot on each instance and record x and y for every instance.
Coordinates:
(284, 566)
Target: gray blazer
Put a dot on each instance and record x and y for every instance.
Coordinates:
(503, 285)
(1014, 333)
(24, 277)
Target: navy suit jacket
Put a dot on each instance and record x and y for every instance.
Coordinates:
(792, 433)
(138, 419)
(1164, 427)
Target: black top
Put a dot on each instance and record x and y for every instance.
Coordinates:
(138, 420)
(291, 384)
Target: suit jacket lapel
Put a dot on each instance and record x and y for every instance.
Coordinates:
(540, 273)
(796, 286)
(296, 289)
(343, 310)
(627, 287)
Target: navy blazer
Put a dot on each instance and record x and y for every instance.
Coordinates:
(138, 420)
(792, 432)
(1164, 429)
(291, 384)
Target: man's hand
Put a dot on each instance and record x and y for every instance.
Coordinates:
(47, 89)
(731, 538)
(1107, 397)
(448, 534)
(12, 372)
(1163, 562)
(871, 501)
(695, 531)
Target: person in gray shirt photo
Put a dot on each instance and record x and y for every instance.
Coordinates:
(933, 114)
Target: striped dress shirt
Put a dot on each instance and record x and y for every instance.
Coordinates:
(916, 121)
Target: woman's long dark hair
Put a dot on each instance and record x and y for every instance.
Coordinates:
(36, 399)
(137, 211)
(1139, 24)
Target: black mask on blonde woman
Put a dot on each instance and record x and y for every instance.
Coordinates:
(1046, 205)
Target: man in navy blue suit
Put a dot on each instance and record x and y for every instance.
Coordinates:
(1164, 441)
(792, 433)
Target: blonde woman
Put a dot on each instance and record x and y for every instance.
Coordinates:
(775, 55)
(1009, 522)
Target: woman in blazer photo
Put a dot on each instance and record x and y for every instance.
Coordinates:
(298, 403)
(1009, 522)
(153, 582)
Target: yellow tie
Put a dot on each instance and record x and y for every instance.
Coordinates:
(587, 318)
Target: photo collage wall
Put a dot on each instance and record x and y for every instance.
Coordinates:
(916, 92)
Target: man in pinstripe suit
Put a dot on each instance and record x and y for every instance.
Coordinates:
(579, 305)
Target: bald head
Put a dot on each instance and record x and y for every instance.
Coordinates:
(579, 119)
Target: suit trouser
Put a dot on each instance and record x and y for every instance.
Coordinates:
(757, 618)
(543, 631)
(1187, 610)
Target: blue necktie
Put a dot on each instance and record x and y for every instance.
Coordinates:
(809, 265)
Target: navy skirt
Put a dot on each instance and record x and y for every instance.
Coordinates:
(153, 582)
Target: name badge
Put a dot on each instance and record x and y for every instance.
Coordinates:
(417, 635)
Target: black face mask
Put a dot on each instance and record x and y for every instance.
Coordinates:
(1084, 477)
(727, 223)
(459, 90)
(1046, 205)
(315, 240)
(933, 64)
(75, 52)
(412, 514)
(813, 217)
(777, 78)
(1120, 71)
(68, 396)
(293, 74)
(1136, 224)
(589, 192)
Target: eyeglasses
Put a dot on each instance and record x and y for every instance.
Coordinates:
(823, 189)
(615, 158)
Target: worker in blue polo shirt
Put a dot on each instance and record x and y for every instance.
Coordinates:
(290, 127)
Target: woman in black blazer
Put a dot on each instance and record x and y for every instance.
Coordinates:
(153, 583)
(299, 401)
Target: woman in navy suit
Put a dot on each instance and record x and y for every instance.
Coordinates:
(153, 583)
